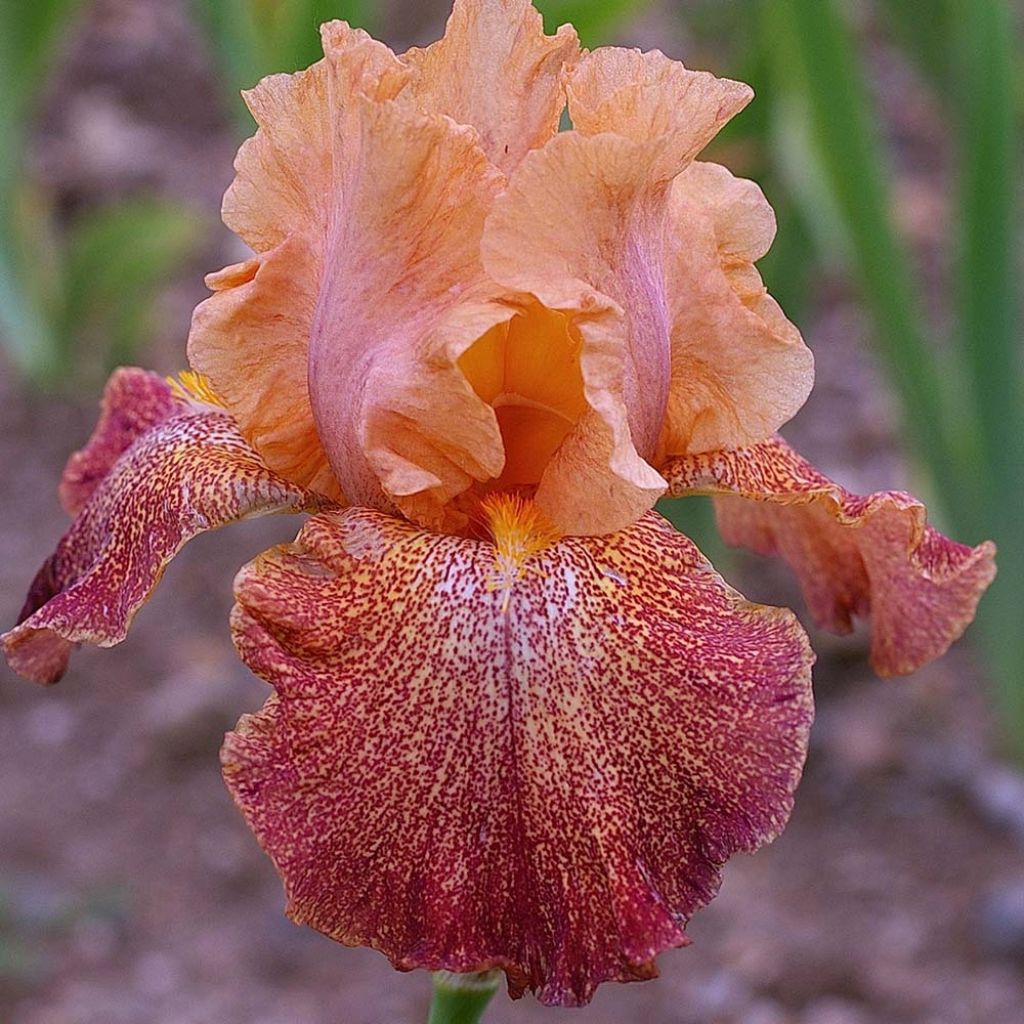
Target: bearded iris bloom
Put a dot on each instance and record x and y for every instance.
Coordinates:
(518, 721)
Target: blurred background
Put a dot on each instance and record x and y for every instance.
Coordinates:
(886, 133)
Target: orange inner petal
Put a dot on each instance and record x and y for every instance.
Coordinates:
(528, 370)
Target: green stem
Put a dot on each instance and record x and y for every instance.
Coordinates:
(462, 998)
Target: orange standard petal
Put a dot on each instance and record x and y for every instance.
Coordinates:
(403, 295)
(163, 465)
(534, 754)
(383, 347)
(866, 556)
(740, 369)
(668, 109)
(496, 70)
(337, 348)
(251, 338)
(590, 226)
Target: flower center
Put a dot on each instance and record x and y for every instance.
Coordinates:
(528, 371)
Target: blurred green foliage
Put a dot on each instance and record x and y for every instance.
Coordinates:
(75, 298)
(595, 20)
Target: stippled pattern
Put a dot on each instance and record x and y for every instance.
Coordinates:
(134, 401)
(157, 471)
(546, 780)
(854, 555)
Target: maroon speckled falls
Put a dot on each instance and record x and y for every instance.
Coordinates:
(518, 721)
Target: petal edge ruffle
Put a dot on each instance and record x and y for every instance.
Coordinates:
(188, 472)
(543, 776)
(853, 555)
(497, 71)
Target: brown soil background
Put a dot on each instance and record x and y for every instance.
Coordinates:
(132, 893)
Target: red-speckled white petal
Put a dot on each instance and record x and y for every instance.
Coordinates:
(158, 470)
(541, 772)
(868, 556)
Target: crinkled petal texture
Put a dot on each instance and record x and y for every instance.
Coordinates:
(159, 469)
(496, 70)
(615, 227)
(866, 556)
(403, 297)
(251, 338)
(384, 342)
(539, 771)
(739, 368)
(364, 193)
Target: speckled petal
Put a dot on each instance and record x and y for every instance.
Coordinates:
(134, 401)
(853, 555)
(496, 70)
(158, 470)
(541, 772)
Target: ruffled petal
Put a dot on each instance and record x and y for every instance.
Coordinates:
(159, 469)
(337, 348)
(133, 402)
(537, 763)
(853, 555)
(496, 70)
(402, 296)
(739, 368)
(580, 228)
(251, 340)
(283, 175)
(652, 100)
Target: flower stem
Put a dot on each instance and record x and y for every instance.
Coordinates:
(462, 998)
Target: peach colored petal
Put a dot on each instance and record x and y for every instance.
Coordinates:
(157, 471)
(283, 173)
(582, 227)
(337, 349)
(527, 369)
(541, 771)
(739, 368)
(579, 227)
(652, 100)
(853, 555)
(496, 70)
(402, 296)
(251, 340)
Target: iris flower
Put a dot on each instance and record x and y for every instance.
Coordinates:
(518, 721)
